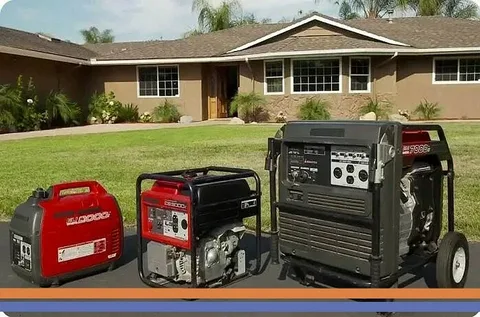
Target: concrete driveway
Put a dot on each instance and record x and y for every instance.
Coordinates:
(126, 276)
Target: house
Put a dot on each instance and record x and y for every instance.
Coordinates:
(402, 60)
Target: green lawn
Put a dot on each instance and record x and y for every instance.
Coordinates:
(116, 159)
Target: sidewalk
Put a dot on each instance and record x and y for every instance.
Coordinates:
(102, 128)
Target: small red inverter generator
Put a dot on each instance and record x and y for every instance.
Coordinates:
(192, 221)
(55, 237)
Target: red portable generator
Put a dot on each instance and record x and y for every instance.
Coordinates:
(192, 221)
(56, 237)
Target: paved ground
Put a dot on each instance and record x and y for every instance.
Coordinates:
(106, 128)
(126, 276)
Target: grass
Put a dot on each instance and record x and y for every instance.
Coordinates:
(116, 160)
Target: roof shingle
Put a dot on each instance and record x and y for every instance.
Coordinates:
(33, 42)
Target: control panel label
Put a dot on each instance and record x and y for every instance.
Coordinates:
(170, 223)
(81, 250)
(22, 252)
(349, 167)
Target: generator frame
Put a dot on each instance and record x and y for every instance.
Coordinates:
(191, 184)
(439, 148)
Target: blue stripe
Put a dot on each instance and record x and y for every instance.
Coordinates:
(237, 306)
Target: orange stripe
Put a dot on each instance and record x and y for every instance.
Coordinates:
(231, 293)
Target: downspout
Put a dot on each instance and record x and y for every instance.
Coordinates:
(380, 65)
(251, 72)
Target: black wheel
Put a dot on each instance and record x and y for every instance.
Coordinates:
(452, 261)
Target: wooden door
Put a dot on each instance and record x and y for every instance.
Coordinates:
(222, 93)
(212, 95)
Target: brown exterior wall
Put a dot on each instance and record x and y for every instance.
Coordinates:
(47, 76)
(342, 105)
(415, 85)
(122, 80)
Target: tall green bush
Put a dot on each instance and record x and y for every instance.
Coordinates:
(166, 113)
(104, 108)
(427, 110)
(249, 106)
(60, 110)
(380, 108)
(314, 109)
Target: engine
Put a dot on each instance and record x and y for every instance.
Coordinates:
(218, 257)
(421, 201)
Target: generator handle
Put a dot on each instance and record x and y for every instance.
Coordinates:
(274, 148)
(93, 186)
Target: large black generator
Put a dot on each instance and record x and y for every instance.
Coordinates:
(360, 203)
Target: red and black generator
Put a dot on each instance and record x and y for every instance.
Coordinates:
(55, 237)
(190, 223)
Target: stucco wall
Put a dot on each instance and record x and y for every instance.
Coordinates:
(342, 105)
(122, 80)
(47, 76)
(415, 85)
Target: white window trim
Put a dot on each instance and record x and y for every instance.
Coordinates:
(158, 86)
(265, 86)
(369, 83)
(456, 82)
(340, 88)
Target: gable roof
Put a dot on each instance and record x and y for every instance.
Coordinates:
(415, 35)
(322, 19)
(20, 40)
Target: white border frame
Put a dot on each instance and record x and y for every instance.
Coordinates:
(158, 87)
(456, 82)
(369, 83)
(340, 84)
(265, 92)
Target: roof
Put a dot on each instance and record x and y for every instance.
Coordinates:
(40, 43)
(425, 32)
(414, 34)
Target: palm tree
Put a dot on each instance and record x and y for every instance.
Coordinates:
(212, 18)
(345, 11)
(465, 9)
(365, 8)
(94, 36)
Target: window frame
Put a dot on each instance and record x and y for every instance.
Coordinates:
(177, 66)
(265, 84)
(340, 76)
(453, 82)
(369, 76)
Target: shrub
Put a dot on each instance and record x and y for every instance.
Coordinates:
(104, 108)
(9, 108)
(249, 107)
(60, 110)
(128, 113)
(166, 113)
(313, 109)
(380, 108)
(146, 117)
(19, 110)
(427, 110)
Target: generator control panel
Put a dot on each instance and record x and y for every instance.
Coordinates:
(349, 167)
(329, 165)
(170, 223)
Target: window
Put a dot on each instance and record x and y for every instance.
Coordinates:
(316, 76)
(274, 77)
(462, 70)
(158, 81)
(360, 75)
